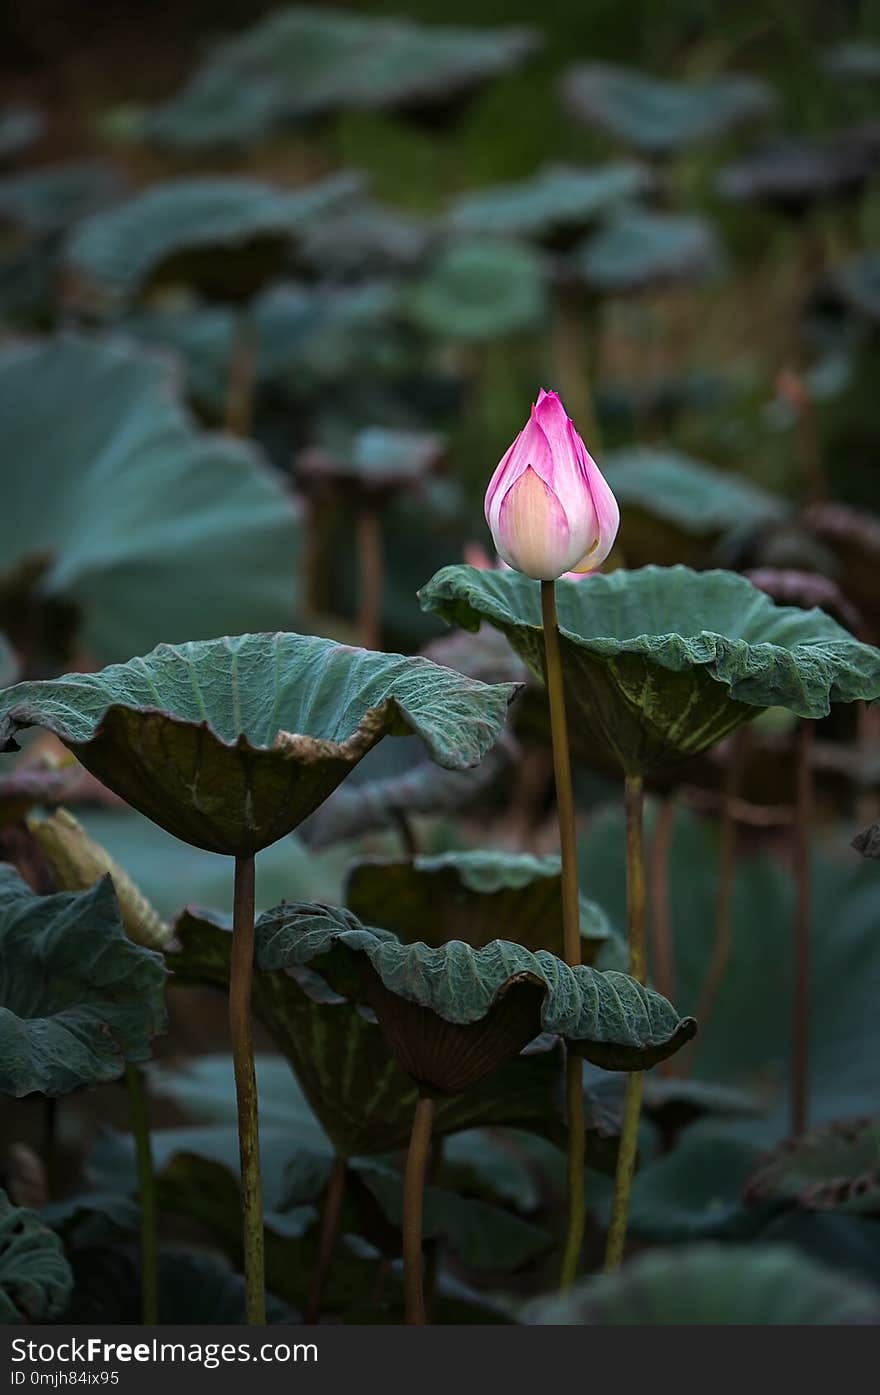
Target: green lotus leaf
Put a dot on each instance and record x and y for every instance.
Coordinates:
(147, 529)
(77, 998)
(230, 743)
(304, 62)
(556, 199)
(49, 200)
(481, 288)
(365, 239)
(715, 1285)
(453, 1014)
(795, 173)
(833, 1168)
(636, 250)
(660, 118)
(845, 955)
(21, 127)
(226, 236)
(35, 1278)
(662, 662)
(672, 505)
(377, 461)
(695, 1192)
(91, 1218)
(857, 59)
(856, 281)
(469, 895)
(362, 1097)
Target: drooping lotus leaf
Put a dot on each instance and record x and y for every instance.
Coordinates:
(834, 1168)
(375, 462)
(366, 238)
(845, 954)
(557, 199)
(453, 1014)
(226, 236)
(637, 249)
(362, 1097)
(35, 1277)
(664, 661)
(470, 896)
(304, 62)
(714, 1285)
(481, 288)
(49, 200)
(21, 127)
(857, 283)
(77, 998)
(230, 743)
(148, 529)
(660, 118)
(694, 500)
(793, 173)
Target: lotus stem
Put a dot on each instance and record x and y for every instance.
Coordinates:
(333, 1200)
(413, 1208)
(371, 576)
(723, 941)
(801, 864)
(240, 1030)
(140, 1127)
(629, 1137)
(431, 1248)
(242, 375)
(571, 927)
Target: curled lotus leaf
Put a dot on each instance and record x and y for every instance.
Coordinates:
(375, 462)
(662, 662)
(795, 173)
(227, 236)
(468, 895)
(35, 1278)
(660, 118)
(480, 289)
(832, 1168)
(636, 250)
(362, 1097)
(230, 743)
(77, 998)
(452, 1014)
(754, 1285)
(555, 200)
(47, 201)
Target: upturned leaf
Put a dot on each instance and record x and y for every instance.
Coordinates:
(230, 743)
(637, 249)
(77, 998)
(480, 289)
(662, 662)
(361, 1096)
(554, 200)
(758, 1285)
(453, 1014)
(35, 1277)
(469, 895)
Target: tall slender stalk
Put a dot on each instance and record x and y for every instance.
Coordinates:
(240, 1030)
(333, 1199)
(140, 1127)
(800, 1075)
(629, 1138)
(571, 927)
(371, 576)
(413, 1208)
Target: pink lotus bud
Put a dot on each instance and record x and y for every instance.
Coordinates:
(548, 508)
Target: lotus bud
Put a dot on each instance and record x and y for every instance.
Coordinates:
(548, 507)
(78, 861)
